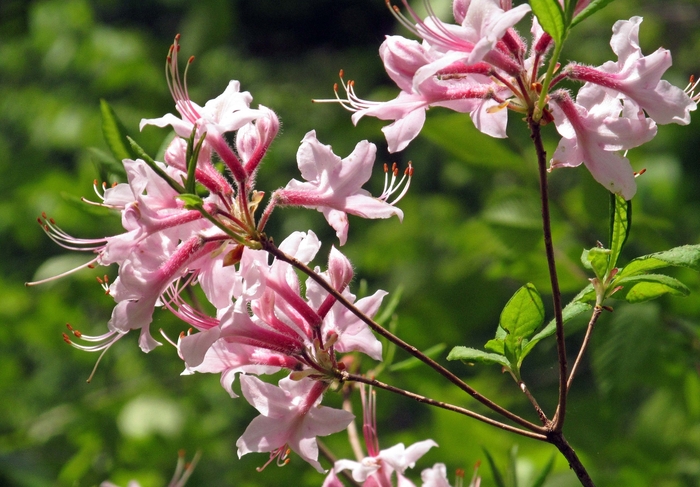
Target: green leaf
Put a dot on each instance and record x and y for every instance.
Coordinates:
(620, 226)
(592, 8)
(497, 477)
(497, 345)
(523, 313)
(107, 167)
(551, 17)
(544, 473)
(512, 474)
(412, 362)
(115, 133)
(587, 294)
(571, 310)
(637, 289)
(472, 355)
(191, 200)
(154, 165)
(597, 260)
(685, 256)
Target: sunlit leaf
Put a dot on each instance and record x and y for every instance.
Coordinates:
(191, 200)
(637, 289)
(620, 226)
(523, 313)
(473, 355)
(596, 260)
(685, 256)
(115, 133)
(571, 310)
(592, 8)
(551, 17)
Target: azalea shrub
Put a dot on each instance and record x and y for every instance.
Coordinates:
(286, 325)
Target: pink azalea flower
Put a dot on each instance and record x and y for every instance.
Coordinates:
(638, 77)
(207, 353)
(482, 26)
(410, 65)
(382, 464)
(290, 417)
(482, 23)
(141, 282)
(376, 469)
(593, 130)
(228, 112)
(334, 186)
(271, 326)
(437, 477)
(352, 333)
(332, 480)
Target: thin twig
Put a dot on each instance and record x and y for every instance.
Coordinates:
(536, 135)
(533, 401)
(589, 332)
(272, 249)
(443, 405)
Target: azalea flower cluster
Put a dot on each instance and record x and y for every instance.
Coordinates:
(187, 223)
(377, 469)
(483, 67)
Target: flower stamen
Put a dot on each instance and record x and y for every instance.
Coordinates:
(391, 186)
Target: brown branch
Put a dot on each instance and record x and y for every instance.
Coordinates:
(270, 247)
(450, 407)
(557, 439)
(536, 135)
(589, 332)
(533, 401)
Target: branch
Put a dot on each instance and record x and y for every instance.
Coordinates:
(536, 136)
(591, 324)
(557, 439)
(270, 247)
(450, 407)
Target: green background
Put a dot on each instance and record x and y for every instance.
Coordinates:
(470, 238)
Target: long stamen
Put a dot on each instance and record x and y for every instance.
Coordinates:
(437, 36)
(351, 102)
(100, 195)
(178, 86)
(369, 421)
(172, 300)
(59, 236)
(107, 340)
(281, 455)
(88, 265)
(390, 187)
(690, 89)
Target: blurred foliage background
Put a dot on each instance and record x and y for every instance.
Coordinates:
(470, 238)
